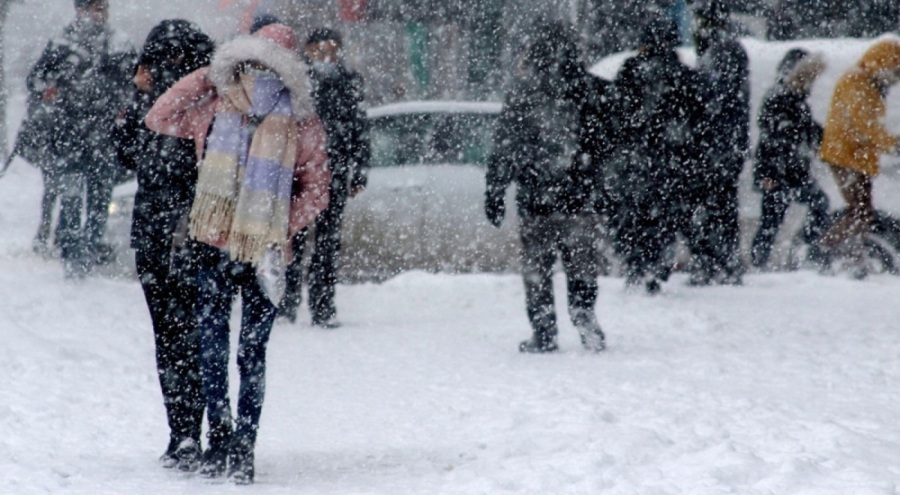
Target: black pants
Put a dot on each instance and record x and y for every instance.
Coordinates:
(719, 231)
(168, 281)
(774, 207)
(324, 263)
(645, 228)
(572, 237)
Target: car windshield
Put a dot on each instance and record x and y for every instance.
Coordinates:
(432, 138)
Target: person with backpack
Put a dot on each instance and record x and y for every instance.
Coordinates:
(787, 137)
(540, 143)
(656, 168)
(262, 177)
(85, 76)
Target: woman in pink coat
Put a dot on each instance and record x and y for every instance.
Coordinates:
(262, 177)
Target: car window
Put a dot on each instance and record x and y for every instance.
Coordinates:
(432, 138)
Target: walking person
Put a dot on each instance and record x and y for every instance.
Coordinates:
(724, 65)
(788, 136)
(540, 144)
(656, 165)
(338, 95)
(35, 145)
(166, 173)
(853, 141)
(85, 75)
(262, 177)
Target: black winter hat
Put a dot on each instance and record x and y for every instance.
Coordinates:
(321, 34)
(660, 34)
(554, 42)
(715, 12)
(83, 4)
(177, 39)
(790, 60)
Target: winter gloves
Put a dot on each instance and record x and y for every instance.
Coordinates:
(495, 207)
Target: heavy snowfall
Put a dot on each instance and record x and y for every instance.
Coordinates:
(787, 384)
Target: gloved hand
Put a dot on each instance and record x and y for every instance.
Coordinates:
(495, 208)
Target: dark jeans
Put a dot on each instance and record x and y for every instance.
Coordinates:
(71, 194)
(169, 283)
(93, 190)
(218, 282)
(323, 265)
(48, 205)
(774, 207)
(573, 238)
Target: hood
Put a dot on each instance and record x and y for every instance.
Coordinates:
(884, 54)
(273, 46)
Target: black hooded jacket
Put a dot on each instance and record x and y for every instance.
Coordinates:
(165, 166)
(660, 101)
(787, 136)
(552, 135)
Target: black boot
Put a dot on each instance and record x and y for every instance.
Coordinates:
(540, 342)
(215, 458)
(240, 463)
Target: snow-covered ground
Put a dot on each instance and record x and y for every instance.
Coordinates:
(788, 385)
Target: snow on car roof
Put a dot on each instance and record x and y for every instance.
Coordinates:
(434, 106)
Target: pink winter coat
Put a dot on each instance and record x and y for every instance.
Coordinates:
(187, 110)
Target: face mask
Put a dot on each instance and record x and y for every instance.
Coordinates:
(326, 68)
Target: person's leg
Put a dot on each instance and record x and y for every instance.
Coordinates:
(257, 317)
(725, 225)
(578, 250)
(324, 263)
(69, 228)
(181, 321)
(856, 189)
(816, 221)
(293, 278)
(216, 290)
(774, 206)
(99, 194)
(538, 237)
(48, 204)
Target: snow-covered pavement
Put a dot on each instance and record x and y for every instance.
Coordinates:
(787, 385)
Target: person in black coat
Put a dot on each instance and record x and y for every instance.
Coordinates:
(166, 174)
(546, 143)
(787, 136)
(724, 65)
(84, 76)
(659, 103)
(338, 94)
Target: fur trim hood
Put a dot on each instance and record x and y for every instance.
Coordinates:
(284, 61)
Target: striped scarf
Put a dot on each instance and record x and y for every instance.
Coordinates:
(244, 183)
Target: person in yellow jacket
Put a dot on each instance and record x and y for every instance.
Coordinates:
(855, 138)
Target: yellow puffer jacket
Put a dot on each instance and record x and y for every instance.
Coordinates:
(854, 134)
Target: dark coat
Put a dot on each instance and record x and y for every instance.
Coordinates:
(725, 70)
(550, 145)
(660, 107)
(787, 137)
(165, 166)
(338, 96)
(91, 66)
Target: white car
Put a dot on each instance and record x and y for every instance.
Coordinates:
(423, 207)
